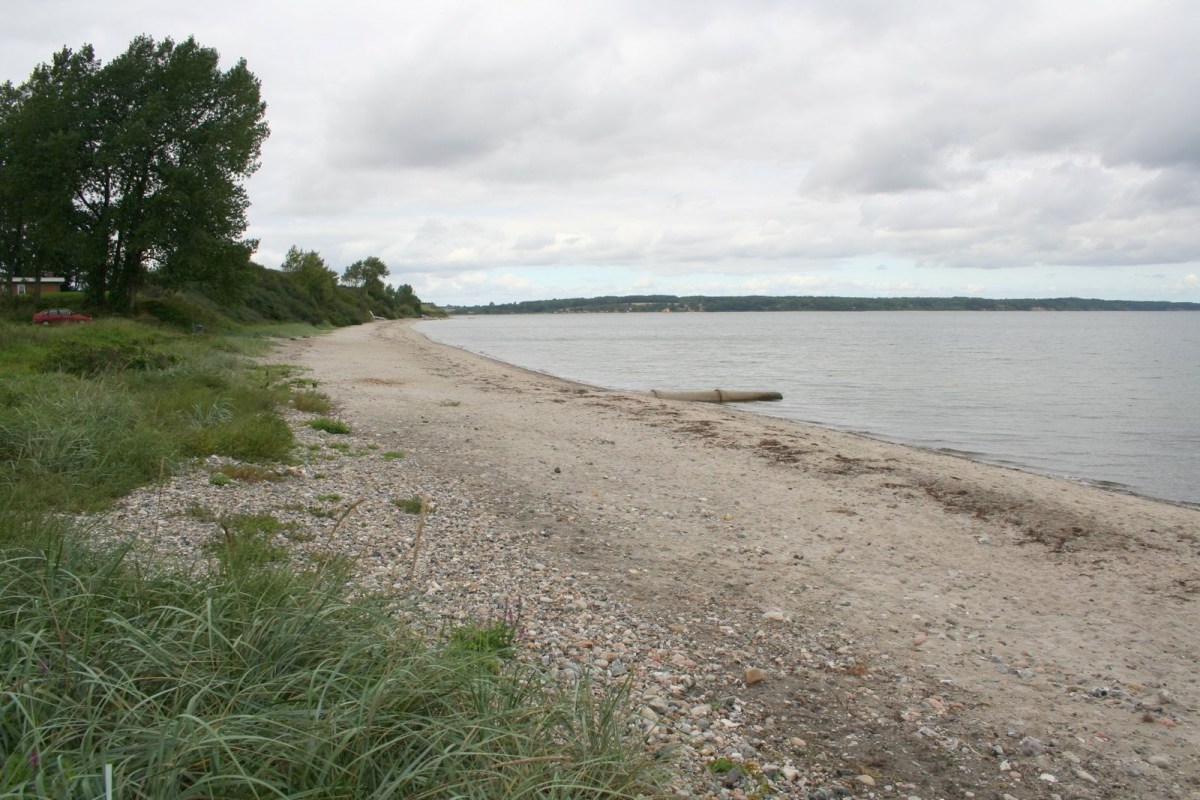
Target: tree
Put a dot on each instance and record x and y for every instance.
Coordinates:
(152, 149)
(43, 143)
(366, 274)
(307, 271)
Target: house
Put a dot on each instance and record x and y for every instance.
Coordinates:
(17, 286)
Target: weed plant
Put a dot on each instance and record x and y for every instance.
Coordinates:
(311, 402)
(328, 425)
(251, 681)
(412, 505)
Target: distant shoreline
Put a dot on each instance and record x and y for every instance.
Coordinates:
(702, 303)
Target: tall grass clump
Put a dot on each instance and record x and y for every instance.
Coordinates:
(252, 681)
(90, 412)
(75, 443)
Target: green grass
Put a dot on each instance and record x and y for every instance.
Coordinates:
(311, 402)
(252, 681)
(411, 505)
(393, 455)
(252, 676)
(335, 426)
(89, 412)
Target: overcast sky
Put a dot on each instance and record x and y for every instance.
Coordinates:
(497, 151)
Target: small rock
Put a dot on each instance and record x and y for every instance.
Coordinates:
(1162, 762)
(865, 780)
(732, 778)
(1032, 747)
(755, 675)
(919, 640)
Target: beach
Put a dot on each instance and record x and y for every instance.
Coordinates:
(840, 615)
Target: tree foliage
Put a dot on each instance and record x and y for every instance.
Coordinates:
(366, 275)
(128, 172)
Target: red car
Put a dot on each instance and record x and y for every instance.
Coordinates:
(55, 315)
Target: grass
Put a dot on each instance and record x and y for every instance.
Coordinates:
(254, 676)
(312, 402)
(412, 505)
(257, 681)
(328, 425)
(89, 412)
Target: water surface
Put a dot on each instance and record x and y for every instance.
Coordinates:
(1108, 397)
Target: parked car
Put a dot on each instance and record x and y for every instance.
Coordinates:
(56, 315)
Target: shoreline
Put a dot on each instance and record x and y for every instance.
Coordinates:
(1024, 428)
(743, 408)
(850, 612)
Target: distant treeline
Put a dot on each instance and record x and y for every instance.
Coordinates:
(667, 302)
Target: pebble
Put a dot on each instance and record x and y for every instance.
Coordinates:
(1032, 746)
(755, 675)
(478, 562)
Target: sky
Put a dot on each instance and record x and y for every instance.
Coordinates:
(507, 150)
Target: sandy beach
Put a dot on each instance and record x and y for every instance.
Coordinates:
(905, 623)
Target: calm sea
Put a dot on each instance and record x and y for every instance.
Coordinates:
(1107, 397)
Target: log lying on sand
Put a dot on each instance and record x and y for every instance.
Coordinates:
(717, 396)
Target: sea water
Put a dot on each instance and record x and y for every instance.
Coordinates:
(1106, 397)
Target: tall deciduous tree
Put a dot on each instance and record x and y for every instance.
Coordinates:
(367, 273)
(307, 271)
(154, 147)
(44, 139)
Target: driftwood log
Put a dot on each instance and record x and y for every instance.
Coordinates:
(717, 396)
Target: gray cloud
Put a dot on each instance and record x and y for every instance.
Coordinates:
(757, 142)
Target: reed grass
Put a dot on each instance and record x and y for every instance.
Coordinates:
(255, 681)
(252, 677)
